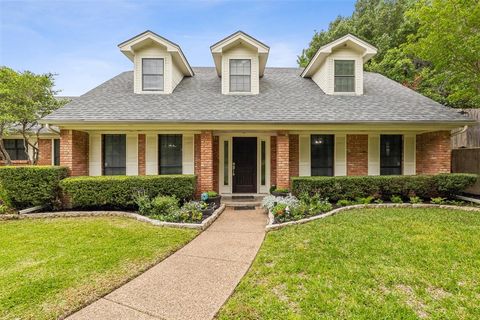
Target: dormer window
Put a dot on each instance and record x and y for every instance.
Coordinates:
(344, 76)
(240, 75)
(152, 74)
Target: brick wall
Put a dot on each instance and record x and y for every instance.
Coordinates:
(273, 161)
(357, 154)
(293, 155)
(74, 151)
(206, 176)
(433, 152)
(283, 161)
(141, 154)
(45, 152)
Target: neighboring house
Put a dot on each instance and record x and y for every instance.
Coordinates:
(48, 144)
(242, 127)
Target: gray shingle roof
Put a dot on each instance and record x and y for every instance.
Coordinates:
(284, 97)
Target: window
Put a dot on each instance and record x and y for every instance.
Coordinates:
(391, 154)
(56, 152)
(344, 76)
(170, 153)
(321, 153)
(114, 154)
(15, 148)
(240, 75)
(152, 74)
(225, 163)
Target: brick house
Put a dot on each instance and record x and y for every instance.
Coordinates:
(242, 127)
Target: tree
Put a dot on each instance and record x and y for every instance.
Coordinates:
(448, 36)
(26, 98)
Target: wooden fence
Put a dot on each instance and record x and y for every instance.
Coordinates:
(471, 137)
(467, 161)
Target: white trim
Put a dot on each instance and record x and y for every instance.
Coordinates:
(374, 154)
(131, 157)
(304, 155)
(188, 154)
(151, 154)
(95, 154)
(409, 154)
(340, 155)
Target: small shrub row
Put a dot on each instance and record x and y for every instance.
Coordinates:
(383, 187)
(28, 186)
(290, 208)
(119, 192)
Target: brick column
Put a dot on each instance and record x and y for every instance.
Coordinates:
(45, 152)
(206, 176)
(74, 151)
(293, 155)
(433, 152)
(283, 160)
(357, 154)
(141, 154)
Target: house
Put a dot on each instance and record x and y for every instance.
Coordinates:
(242, 127)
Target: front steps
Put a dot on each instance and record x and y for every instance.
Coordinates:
(243, 202)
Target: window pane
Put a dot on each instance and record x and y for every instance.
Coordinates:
(344, 67)
(344, 84)
(114, 154)
(170, 153)
(152, 66)
(56, 152)
(391, 154)
(240, 75)
(152, 82)
(321, 150)
(263, 162)
(344, 76)
(15, 149)
(225, 163)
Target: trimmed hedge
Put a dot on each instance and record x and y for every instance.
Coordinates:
(353, 187)
(29, 186)
(119, 191)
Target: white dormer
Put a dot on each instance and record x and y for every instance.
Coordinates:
(159, 64)
(337, 67)
(240, 61)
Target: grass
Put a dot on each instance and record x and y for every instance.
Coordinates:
(51, 267)
(366, 264)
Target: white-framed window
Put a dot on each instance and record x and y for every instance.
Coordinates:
(152, 74)
(240, 75)
(344, 76)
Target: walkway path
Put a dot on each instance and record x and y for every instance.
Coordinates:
(194, 282)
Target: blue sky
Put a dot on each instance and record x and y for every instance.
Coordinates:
(78, 40)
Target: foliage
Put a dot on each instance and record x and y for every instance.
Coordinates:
(212, 194)
(344, 202)
(29, 186)
(365, 200)
(415, 199)
(388, 263)
(282, 190)
(431, 46)
(270, 201)
(25, 98)
(165, 208)
(119, 192)
(353, 187)
(396, 199)
(438, 200)
(53, 267)
(290, 208)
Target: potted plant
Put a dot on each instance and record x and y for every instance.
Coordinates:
(212, 197)
(207, 208)
(280, 192)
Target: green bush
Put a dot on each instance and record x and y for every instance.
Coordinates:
(383, 187)
(28, 186)
(396, 199)
(119, 192)
(164, 206)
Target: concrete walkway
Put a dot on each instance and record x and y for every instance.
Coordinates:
(194, 282)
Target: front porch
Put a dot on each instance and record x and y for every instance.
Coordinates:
(250, 162)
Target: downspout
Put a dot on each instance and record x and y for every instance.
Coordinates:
(459, 132)
(53, 130)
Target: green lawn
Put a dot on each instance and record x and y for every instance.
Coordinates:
(51, 267)
(366, 264)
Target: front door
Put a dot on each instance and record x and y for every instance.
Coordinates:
(244, 165)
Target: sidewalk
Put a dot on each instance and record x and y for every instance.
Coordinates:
(194, 282)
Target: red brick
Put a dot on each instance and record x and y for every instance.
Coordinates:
(357, 154)
(45, 152)
(433, 152)
(293, 155)
(141, 154)
(74, 151)
(206, 176)
(283, 160)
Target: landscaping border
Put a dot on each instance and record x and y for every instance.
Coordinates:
(67, 214)
(272, 226)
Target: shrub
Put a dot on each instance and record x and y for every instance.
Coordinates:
(438, 200)
(270, 201)
(119, 192)
(396, 199)
(415, 199)
(353, 187)
(28, 186)
(282, 190)
(366, 200)
(344, 202)
(164, 206)
(212, 194)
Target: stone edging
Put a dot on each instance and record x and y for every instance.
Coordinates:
(272, 226)
(200, 226)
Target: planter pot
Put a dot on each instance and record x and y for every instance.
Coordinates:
(279, 194)
(214, 200)
(208, 212)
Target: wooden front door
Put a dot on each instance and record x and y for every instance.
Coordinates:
(244, 165)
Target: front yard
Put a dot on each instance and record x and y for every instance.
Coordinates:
(366, 264)
(51, 267)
